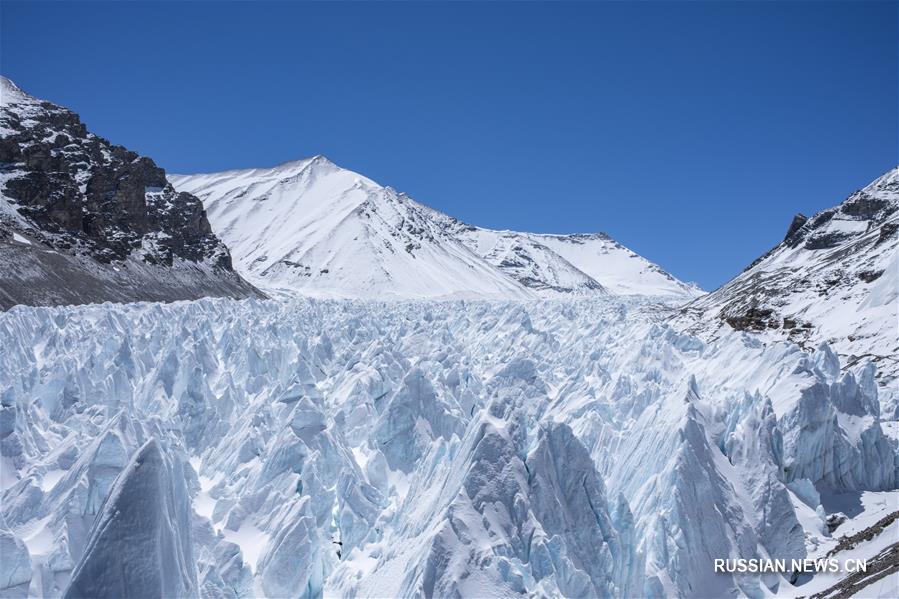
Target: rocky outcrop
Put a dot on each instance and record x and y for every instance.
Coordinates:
(74, 207)
(796, 224)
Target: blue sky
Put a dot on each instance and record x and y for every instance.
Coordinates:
(689, 131)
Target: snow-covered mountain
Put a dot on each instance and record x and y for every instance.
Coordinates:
(834, 278)
(602, 439)
(313, 227)
(480, 449)
(82, 220)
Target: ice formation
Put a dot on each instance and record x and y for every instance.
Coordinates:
(140, 543)
(301, 448)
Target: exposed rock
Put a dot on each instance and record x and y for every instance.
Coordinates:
(753, 319)
(798, 220)
(834, 520)
(851, 541)
(869, 276)
(89, 210)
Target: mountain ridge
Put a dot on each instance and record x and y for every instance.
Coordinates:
(833, 279)
(406, 242)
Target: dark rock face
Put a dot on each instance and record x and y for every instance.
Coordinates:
(753, 319)
(826, 241)
(72, 192)
(887, 231)
(864, 206)
(98, 196)
(798, 220)
(869, 276)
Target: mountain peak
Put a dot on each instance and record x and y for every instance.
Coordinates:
(104, 223)
(888, 182)
(315, 227)
(832, 279)
(317, 160)
(10, 93)
(6, 84)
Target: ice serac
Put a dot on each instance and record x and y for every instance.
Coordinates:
(413, 417)
(376, 449)
(703, 518)
(754, 445)
(578, 543)
(140, 544)
(295, 563)
(688, 501)
(15, 565)
(82, 220)
(516, 525)
(833, 279)
(313, 227)
(834, 436)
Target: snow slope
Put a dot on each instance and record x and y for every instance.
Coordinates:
(833, 279)
(578, 263)
(313, 227)
(380, 449)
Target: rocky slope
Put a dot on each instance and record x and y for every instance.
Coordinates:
(834, 278)
(313, 227)
(82, 220)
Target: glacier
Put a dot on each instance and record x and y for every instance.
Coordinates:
(413, 406)
(302, 447)
(138, 545)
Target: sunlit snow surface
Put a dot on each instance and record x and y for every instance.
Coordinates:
(578, 448)
(312, 227)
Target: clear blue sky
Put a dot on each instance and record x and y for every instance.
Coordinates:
(689, 131)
